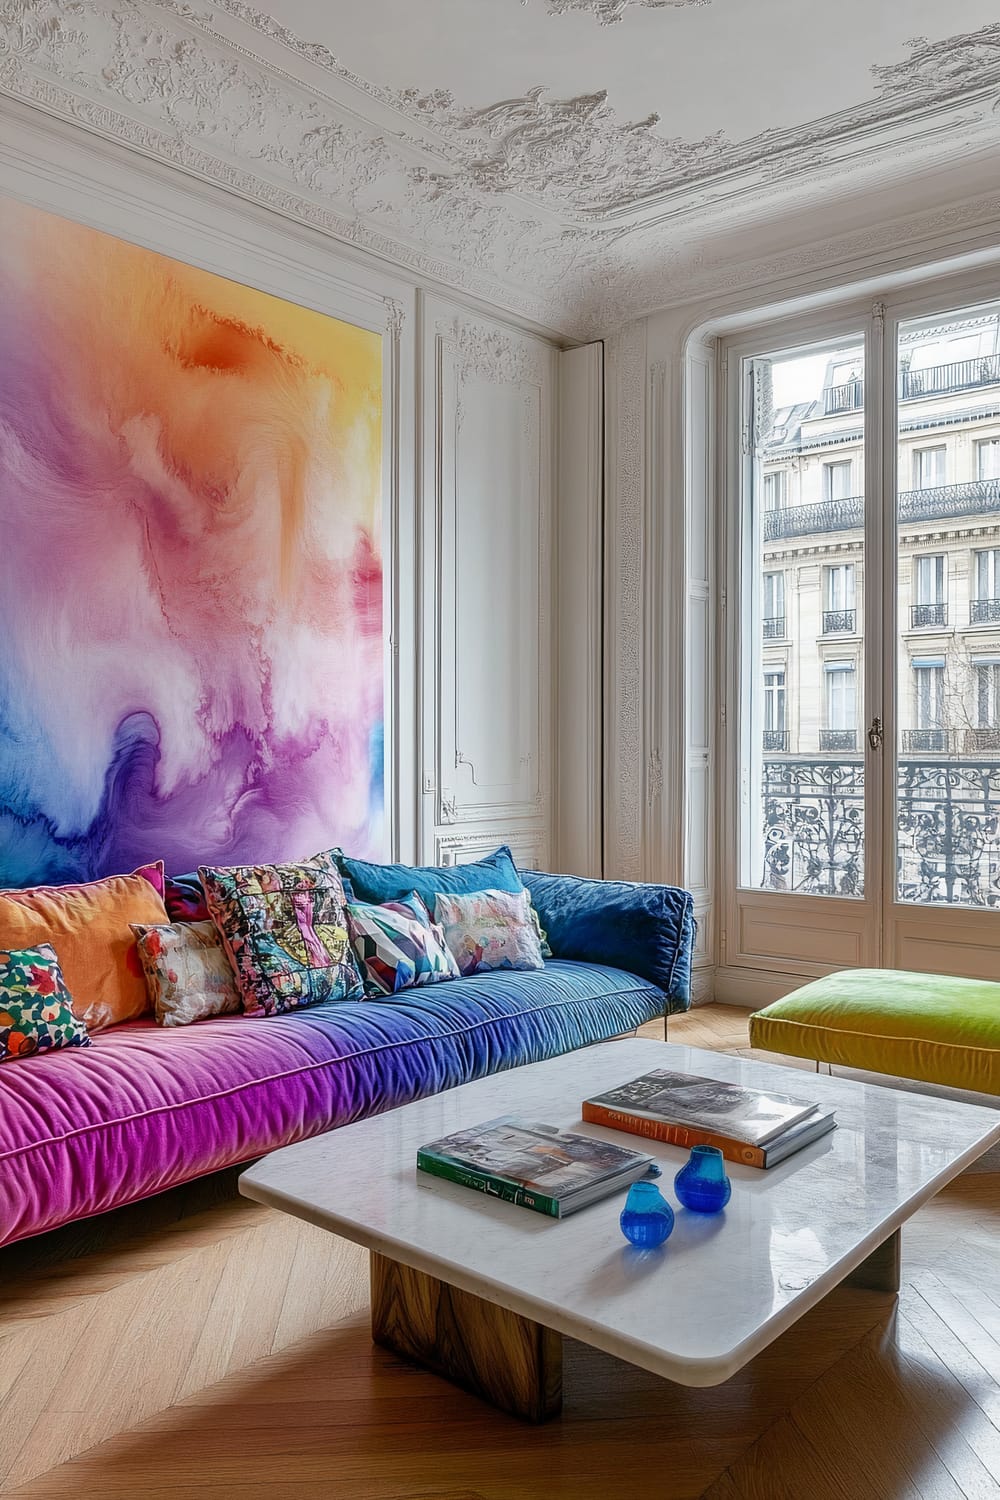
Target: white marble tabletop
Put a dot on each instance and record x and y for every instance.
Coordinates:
(720, 1289)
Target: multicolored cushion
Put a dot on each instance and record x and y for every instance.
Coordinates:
(398, 946)
(89, 928)
(490, 930)
(187, 972)
(185, 899)
(381, 883)
(36, 1008)
(284, 929)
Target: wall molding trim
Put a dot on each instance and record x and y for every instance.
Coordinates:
(558, 210)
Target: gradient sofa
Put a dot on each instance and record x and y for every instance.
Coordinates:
(143, 1109)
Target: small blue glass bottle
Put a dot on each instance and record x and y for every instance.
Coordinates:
(647, 1217)
(702, 1184)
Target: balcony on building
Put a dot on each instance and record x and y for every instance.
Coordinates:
(977, 497)
(776, 739)
(923, 616)
(936, 380)
(774, 628)
(840, 740)
(927, 742)
(839, 621)
(943, 380)
(984, 611)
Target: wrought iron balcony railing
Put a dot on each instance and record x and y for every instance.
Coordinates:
(936, 380)
(774, 628)
(940, 380)
(978, 497)
(922, 615)
(924, 741)
(775, 739)
(838, 621)
(838, 739)
(847, 397)
(947, 821)
(984, 611)
(981, 741)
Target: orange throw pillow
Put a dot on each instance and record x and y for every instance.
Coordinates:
(88, 926)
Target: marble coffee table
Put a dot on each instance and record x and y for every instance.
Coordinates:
(481, 1291)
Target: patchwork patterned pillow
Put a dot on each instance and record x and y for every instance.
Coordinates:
(187, 972)
(398, 946)
(490, 930)
(36, 1008)
(284, 929)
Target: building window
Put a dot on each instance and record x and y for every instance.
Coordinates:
(774, 606)
(928, 681)
(837, 480)
(839, 613)
(776, 490)
(988, 459)
(930, 593)
(841, 695)
(987, 693)
(984, 607)
(929, 468)
(775, 728)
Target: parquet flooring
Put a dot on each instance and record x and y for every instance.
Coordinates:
(867, 1398)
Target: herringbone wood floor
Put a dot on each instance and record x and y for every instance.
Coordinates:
(867, 1399)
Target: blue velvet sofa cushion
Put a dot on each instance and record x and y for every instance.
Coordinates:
(381, 883)
(646, 929)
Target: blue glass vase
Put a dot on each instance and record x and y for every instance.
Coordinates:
(702, 1184)
(647, 1217)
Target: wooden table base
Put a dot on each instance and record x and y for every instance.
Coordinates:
(509, 1360)
(880, 1272)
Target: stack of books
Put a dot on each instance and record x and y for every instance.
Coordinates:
(747, 1125)
(533, 1165)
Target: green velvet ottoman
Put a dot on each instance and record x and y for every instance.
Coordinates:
(924, 1026)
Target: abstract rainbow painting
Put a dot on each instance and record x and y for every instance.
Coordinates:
(191, 646)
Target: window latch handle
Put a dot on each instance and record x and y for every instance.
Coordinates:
(875, 733)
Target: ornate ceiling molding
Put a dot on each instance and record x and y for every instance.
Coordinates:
(608, 12)
(553, 208)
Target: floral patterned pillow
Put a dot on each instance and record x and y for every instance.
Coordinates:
(36, 1008)
(187, 972)
(490, 930)
(398, 946)
(284, 929)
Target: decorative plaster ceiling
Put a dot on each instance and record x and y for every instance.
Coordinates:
(570, 160)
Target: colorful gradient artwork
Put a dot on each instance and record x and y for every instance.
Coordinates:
(191, 650)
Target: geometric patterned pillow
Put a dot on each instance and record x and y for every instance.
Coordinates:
(36, 1008)
(398, 946)
(488, 930)
(284, 930)
(187, 972)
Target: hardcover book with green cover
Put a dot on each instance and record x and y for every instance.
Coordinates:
(533, 1165)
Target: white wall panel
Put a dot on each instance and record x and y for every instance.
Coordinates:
(580, 592)
(488, 640)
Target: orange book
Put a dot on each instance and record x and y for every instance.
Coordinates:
(674, 1135)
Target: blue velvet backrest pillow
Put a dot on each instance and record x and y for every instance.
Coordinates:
(381, 883)
(646, 929)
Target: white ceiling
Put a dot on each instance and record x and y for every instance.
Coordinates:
(572, 160)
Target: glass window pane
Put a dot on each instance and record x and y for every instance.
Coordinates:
(948, 646)
(802, 688)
